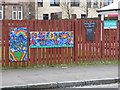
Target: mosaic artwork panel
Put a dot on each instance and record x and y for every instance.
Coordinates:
(51, 39)
(18, 44)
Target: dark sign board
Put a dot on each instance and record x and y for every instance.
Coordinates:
(90, 34)
(90, 25)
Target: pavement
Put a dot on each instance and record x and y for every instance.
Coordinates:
(58, 74)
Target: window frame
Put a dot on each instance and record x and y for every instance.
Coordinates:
(41, 3)
(13, 13)
(95, 4)
(108, 2)
(21, 13)
(55, 4)
(89, 2)
(1, 12)
(75, 4)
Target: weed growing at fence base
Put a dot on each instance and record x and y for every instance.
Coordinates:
(102, 62)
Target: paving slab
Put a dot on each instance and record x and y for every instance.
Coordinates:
(61, 74)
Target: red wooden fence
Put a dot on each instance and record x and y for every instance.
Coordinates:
(83, 51)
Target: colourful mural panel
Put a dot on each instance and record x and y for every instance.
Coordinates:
(51, 39)
(18, 44)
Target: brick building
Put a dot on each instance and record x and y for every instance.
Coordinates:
(23, 11)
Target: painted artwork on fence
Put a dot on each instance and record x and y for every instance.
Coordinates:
(51, 39)
(18, 44)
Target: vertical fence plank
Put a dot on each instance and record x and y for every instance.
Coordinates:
(36, 50)
(62, 49)
(51, 49)
(6, 44)
(43, 53)
(103, 41)
(11, 63)
(73, 29)
(58, 48)
(116, 43)
(76, 41)
(23, 25)
(97, 39)
(39, 49)
(80, 41)
(47, 49)
(2, 41)
(106, 40)
(94, 44)
(28, 41)
(69, 48)
(113, 44)
(66, 47)
(15, 25)
(83, 42)
(100, 41)
(31, 49)
(54, 50)
(19, 25)
(110, 45)
(119, 39)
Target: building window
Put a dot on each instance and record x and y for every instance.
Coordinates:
(74, 16)
(19, 13)
(56, 16)
(107, 2)
(89, 3)
(95, 5)
(14, 13)
(40, 3)
(99, 15)
(75, 3)
(83, 16)
(1, 12)
(45, 16)
(54, 2)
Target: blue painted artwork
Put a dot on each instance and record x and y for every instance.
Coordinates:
(51, 39)
(18, 44)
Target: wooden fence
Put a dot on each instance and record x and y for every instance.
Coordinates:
(82, 52)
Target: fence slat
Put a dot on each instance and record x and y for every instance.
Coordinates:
(73, 29)
(47, 49)
(11, 63)
(18, 26)
(100, 40)
(15, 25)
(54, 49)
(2, 42)
(110, 45)
(23, 25)
(28, 41)
(59, 48)
(31, 49)
(62, 49)
(43, 25)
(97, 39)
(80, 40)
(76, 41)
(6, 44)
(83, 42)
(39, 49)
(36, 50)
(69, 48)
(51, 49)
(103, 41)
(66, 47)
(116, 43)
